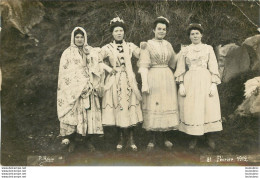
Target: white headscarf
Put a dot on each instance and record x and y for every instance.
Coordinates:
(72, 43)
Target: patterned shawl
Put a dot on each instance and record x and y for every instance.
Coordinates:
(73, 79)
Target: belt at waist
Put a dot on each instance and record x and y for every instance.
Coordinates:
(159, 66)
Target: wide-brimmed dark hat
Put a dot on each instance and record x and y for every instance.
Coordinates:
(195, 26)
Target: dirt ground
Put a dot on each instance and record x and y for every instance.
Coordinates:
(238, 138)
(29, 124)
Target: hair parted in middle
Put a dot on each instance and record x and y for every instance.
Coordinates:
(195, 26)
(162, 20)
(78, 31)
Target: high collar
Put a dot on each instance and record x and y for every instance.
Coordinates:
(119, 42)
(199, 44)
(197, 47)
(158, 40)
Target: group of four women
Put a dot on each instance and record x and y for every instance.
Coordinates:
(195, 109)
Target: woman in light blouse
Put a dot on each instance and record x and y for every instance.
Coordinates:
(160, 106)
(198, 77)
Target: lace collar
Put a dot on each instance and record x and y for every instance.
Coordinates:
(197, 47)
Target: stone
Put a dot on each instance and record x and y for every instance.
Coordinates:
(22, 15)
(233, 60)
(251, 103)
(253, 46)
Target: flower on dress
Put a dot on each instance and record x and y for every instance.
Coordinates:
(60, 102)
(67, 81)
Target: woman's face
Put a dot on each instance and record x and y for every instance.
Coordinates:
(118, 33)
(79, 40)
(160, 31)
(195, 36)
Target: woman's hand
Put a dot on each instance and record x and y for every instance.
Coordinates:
(145, 88)
(182, 90)
(113, 72)
(143, 45)
(85, 49)
(213, 89)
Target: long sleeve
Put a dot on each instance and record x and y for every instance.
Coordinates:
(144, 64)
(103, 54)
(173, 61)
(144, 60)
(136, 50)
(213, 67)
(180, 70)
(144, 72)
(104, 64)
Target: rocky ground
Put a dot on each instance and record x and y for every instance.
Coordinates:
(239, 137)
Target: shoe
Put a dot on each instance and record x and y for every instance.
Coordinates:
(168, 144)
(119, 147)
(150, 146)
(64, 144)
(133, 147)
(193, 144)
(211, 144)
(72, 146)
(91, 147)
(131, 144)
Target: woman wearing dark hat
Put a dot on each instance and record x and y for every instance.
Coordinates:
(198, 95)
(121, 100)
(77, 94)
(160, 107)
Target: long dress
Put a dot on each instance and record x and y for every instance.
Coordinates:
(121, 100)
(78, 104)
(197, 67)
(160, 106)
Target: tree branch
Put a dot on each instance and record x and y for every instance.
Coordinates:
(244, 14)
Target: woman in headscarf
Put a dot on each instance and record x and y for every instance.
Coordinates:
(121, 100)
(160, 107)
(78, 88)
(198, 77)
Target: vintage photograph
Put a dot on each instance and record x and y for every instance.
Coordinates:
(130, 83)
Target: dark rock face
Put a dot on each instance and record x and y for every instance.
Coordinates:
(22, 14)
(233, 60)
(253, 46)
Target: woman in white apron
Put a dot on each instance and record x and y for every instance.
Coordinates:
(198, 77)
(160, 106)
